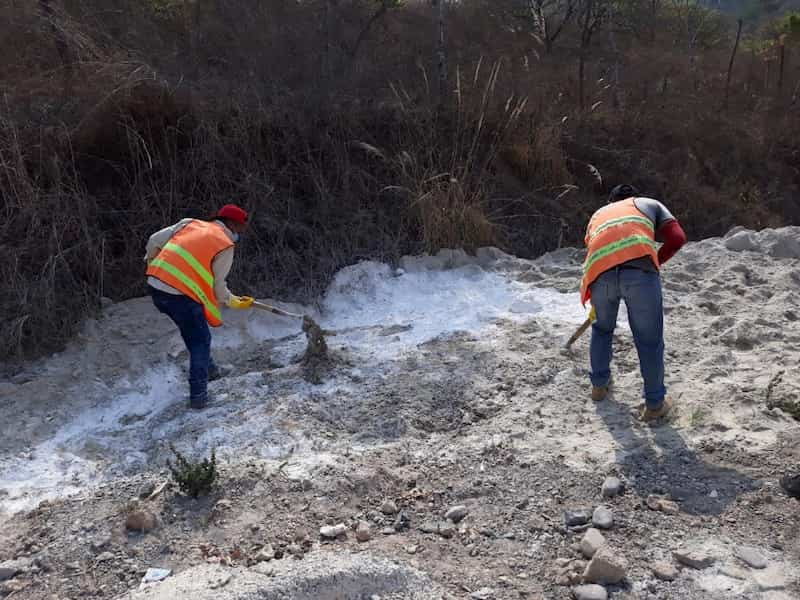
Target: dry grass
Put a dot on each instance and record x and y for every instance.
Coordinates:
(345, 153)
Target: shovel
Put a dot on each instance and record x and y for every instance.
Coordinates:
(581, 329)
(276, 311)
(317, 347)
(310, 326)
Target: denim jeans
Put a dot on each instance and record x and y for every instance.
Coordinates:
(641, 291)
(190, 318)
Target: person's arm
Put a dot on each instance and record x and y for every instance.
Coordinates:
(160, 238)
(672, 236)
(668, 230)
(221, 266)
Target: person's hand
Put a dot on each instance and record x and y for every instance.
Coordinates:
(240, 302)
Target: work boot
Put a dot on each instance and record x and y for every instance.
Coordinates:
(216, 372)
(198, 402)
(599, 393)
(649, 415)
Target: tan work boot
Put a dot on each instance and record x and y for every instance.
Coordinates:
(599, 393)
(649, 415)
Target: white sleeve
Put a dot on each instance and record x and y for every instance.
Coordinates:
(160, 238)
(221, 266)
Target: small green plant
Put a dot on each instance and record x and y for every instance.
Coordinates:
(193, 478)
(698, 417)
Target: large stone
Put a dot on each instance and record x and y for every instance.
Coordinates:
(602, 518)
(11, 568)
(389, 507)
(694, 558)
(590, 592)
(428, 527)
(456, 513)
(612, 487)
(606, 566)
(363, 532)
(140, 520)
(266, 553)
(332, 531)
(592, 541)
(751, 557)
(577, 518)
(664, 571)
(447, 529)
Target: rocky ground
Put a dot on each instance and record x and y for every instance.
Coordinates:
(471, 465)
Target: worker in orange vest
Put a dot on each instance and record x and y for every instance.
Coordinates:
(622, 263)
(187, 268)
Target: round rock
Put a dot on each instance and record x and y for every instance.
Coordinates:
(389, 507)
(664, 571)
(602, 518)
(456, 513)
(590, 592)
(140, 520)
(333, 531)
(612, 487)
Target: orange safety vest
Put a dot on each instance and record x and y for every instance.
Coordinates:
(185, 264)
(617, 233)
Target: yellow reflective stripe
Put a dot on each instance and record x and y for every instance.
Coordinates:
(184, 279)
(610, 249)
(621, 220)
(193, 262)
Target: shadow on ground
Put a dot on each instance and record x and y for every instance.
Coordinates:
(657, 460)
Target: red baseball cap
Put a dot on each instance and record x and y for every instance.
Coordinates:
(234, 213)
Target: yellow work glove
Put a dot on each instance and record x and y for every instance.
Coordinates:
(240, 302)
(592, 315)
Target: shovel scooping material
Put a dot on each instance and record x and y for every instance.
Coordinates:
(317, 347)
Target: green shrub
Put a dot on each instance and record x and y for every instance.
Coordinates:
(193, 478)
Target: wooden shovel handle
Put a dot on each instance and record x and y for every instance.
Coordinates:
(579, 332)
(274, 310)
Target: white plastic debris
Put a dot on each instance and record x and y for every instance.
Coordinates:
(154, 576)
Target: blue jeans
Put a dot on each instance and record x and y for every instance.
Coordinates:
(641, 291)
(190, 318)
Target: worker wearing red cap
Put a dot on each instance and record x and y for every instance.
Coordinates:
(187, 268)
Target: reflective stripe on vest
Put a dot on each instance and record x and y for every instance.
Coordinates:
(185, 264)
(193, 262)
(619, 221)
(617, 233)
(207, 303)
(610, 249)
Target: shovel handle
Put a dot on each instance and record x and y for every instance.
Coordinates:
(579, 332)
(274, 310)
